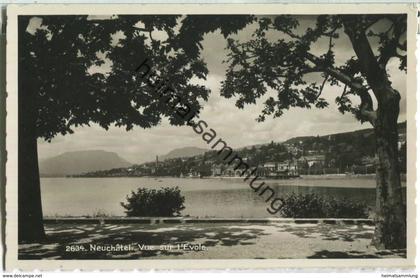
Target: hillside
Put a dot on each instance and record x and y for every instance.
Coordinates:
(70, 163)
(334, 153)
(183, 152)
(361, 132)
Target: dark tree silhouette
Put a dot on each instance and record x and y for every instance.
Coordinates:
(282, 64)
(59, 90)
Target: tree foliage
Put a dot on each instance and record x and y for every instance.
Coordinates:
(284, 64)
(60, 61)
(317, 206)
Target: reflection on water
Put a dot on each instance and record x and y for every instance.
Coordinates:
(203, 197)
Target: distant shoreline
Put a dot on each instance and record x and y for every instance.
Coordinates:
(309, 177)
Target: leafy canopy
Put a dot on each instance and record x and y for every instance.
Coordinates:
(63, 62)
(283, 64)
(62, 65)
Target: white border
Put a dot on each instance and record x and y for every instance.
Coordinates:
(11, 138)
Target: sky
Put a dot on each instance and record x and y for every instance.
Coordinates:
(237, 127)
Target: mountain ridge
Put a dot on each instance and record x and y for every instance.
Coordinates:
(77, 162)
(183, 152)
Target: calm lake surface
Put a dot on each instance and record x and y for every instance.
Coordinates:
(213, 197)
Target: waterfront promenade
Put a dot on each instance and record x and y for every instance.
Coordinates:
(207, 240)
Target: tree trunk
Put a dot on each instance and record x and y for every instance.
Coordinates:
(30, 226)
(390, 218)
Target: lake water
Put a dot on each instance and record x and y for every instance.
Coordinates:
(213, 197)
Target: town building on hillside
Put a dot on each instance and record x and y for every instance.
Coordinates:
(289, 167)
(193, 174)
(291, 148)
(368, 161)
(283, 166)
(276, 169)
(270, 166)
(217, 170)
(268, 169)
(313, 160)
(229, 171)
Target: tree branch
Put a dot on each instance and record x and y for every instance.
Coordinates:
(376, 75)
(344, 91)
(322, 86)
(366, 107)
(337, 74)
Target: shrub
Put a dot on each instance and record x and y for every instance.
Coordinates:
(166, 201)
(315, 206)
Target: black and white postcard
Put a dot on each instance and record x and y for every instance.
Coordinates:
(210, 136)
